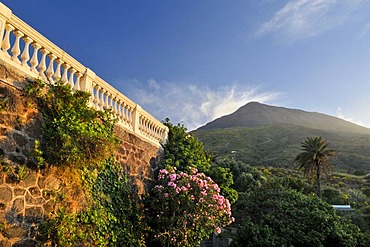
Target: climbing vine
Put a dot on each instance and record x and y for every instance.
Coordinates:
(73, 133)
(82, 139)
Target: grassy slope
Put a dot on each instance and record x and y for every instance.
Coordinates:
(277, 145)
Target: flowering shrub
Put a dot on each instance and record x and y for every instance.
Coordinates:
(186, 208)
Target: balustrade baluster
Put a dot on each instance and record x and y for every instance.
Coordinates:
(101, 99)
(6, 41)
(50, 70)
(112, 103)
(124, 113)
(106, 104)
(97, 97)
(155, 133)
(92, 97)
(72, 71)
(129, 114)
(58, 74)
(145, 127)
(65, 73)
(148, 127)
(16, 50)
(77, 84)
(120, 111)
(26, 52)
(116, 109)
(34, 60)
(42, 65)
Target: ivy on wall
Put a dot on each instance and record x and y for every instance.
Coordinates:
(73, 133)
(82, 139)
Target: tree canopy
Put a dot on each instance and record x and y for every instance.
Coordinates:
(314, 159)
(182, 150)
(284, 217)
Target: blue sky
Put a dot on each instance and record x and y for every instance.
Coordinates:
(194, 61)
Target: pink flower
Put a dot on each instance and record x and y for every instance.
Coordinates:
(163, 171)
(220, 200)
(165, 195)
(192, 197)
(183, 188)
(172, 177)
(218, 230)
(158, 187)
(172, 184)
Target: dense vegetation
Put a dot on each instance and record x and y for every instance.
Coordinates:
(191, 194)
(277, 145)
(182, 206)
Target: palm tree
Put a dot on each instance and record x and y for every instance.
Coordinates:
(314, 159)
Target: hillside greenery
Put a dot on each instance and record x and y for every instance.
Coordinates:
(277, 145)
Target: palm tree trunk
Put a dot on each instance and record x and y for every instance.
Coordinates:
(318, 173)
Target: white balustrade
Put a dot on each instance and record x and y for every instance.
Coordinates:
(6, 41)
(58, 74)
(26, 53)
(77, 84)
(50, 70)
(106, 103)
(71, 82)
(34, 60)
(103, 96)
(42, 66)
(65, 66)
(16, 49)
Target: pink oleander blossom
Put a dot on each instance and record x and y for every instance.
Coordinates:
(173, 177)
(187, 203)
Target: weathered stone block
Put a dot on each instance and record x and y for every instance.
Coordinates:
(50, 206)
(11, 179)
(52, 183)
(34, 214)
(20, 139)
(15, 232)
(41, 183)
(6, 194)
(30, 180)
(35, 191)
(19, 191)
(17, 158)
(34, 200)
(48, 194)
(9, 145)
(18, 204)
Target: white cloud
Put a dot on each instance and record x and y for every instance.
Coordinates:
(195, 105)
(300, 19)
(153, 84)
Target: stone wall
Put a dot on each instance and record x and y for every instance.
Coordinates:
(24, 203)
(28, 196)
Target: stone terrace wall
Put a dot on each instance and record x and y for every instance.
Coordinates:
(26, 200)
